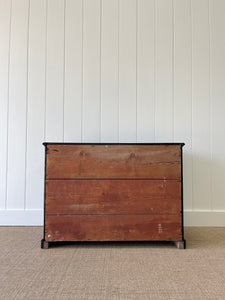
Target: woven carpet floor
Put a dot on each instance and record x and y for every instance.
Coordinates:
(112, 271)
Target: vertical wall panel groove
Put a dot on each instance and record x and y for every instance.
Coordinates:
(109, 71)
(155, 67)
(201, 106)
(127, 71)
(217, 9)
(183, 89)
(45, 75)
(17, 105)
(5, 30)
(100, 74)
(26, 117)
(73, 71)
(118, 63)
(210, 99)
(82, 77)
(36, 105)
(8, 88)
(91, 60)
(145, 72)
(173, 61)
(64, 65)
(136, 95)
(192, 181)
(54, 73)
(164, 47)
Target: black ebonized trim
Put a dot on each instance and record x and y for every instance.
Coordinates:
(42, 241)
(109, 242)
(125, 179)
(166, 144)
(182, 214)
(105, 214)
(182, 199)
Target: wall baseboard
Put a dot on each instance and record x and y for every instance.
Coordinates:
(204, 218)
(34, 217)
(14, 217)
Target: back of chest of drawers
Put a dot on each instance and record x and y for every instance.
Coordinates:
(113, 192)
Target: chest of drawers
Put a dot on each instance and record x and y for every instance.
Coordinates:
(113, 192)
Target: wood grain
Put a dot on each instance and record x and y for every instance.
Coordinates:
(114, 161)
(113, 196)
(113, 228)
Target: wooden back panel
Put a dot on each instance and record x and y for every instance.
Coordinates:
(113, 161)
(98, 192)
(113, 228)
(113, 196)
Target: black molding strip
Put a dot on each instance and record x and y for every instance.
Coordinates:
(166, 144)
(45, 179)
(182, 198)
(113, 179)
(45, 190)
(105, 214)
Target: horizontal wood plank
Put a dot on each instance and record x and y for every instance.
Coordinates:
(113, 196)
(113, 161)
(113, 228)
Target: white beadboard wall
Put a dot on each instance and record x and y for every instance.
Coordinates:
(112, 71)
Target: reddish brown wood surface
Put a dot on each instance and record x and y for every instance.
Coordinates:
(113, 227)
(113, 196)
(114, 161)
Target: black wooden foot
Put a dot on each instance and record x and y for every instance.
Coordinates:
(180, 244)
(44, 244)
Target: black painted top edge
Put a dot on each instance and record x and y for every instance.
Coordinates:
(167, 144)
